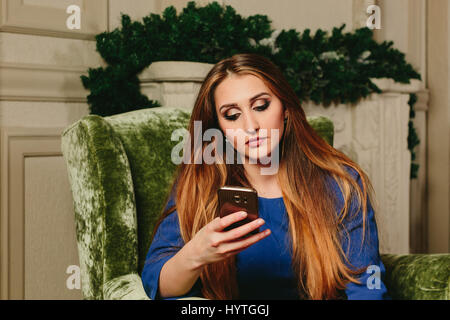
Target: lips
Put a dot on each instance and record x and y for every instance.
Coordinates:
(255, 141)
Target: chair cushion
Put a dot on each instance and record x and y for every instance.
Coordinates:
(418, 276)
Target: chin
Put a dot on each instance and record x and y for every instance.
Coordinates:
(254, 155)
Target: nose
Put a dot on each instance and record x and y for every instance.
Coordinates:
(251, 125)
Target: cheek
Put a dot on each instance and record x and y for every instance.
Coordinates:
(275, 120)
(275, 127)
(231, 132)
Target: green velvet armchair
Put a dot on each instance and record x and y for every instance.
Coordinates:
(120, 171)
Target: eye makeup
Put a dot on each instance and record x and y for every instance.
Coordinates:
(235, 116)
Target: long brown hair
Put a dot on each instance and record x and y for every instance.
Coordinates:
(306, 164)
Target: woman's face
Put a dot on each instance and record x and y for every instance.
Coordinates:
(245, 106)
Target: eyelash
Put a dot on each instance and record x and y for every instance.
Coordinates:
(260, 109)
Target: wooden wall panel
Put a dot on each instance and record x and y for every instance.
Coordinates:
(37, 226)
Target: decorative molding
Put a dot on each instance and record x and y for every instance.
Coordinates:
(34, 82)
(174, 83)
(389, 85)
(16, 145)
(423, 97)
(20, 17)
(415, 86)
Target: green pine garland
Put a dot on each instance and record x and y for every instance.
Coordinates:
(321, 67)
(413, 138)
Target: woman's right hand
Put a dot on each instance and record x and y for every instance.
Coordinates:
(211, 244)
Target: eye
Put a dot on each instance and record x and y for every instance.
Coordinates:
(263, 107)
(235, 116)
(232, 117)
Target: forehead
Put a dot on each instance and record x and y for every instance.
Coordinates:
(238, 88)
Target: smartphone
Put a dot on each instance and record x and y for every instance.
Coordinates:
(233, 199)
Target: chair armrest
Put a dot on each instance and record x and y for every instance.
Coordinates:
(417, 276)
(127, 287)
(104, 203)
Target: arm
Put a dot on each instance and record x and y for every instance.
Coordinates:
(179, 274)
(167, 244)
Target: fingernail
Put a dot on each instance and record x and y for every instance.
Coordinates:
(243, 213)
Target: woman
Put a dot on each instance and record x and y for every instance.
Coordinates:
(318, 234)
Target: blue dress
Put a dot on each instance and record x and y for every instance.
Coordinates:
(264, 269)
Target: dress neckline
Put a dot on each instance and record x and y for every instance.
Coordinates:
(278, 198)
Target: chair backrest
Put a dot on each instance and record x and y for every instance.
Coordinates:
(120, 171)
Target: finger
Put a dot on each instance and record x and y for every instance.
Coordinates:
(243, 230)
(229, 247)
(221, 223)
(232, 253)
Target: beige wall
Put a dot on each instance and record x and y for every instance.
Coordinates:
(287, 14)
(136, 10)
(49, 228)
(438, 64)
(404, 22)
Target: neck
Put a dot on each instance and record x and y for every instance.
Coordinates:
(265, 185)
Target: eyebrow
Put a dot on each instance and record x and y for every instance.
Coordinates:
(251, 100)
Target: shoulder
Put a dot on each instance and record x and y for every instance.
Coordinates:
(352, 171)
(168, 223)
(168, 232)
(354, 175)
(354, 203)
(335, 186)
